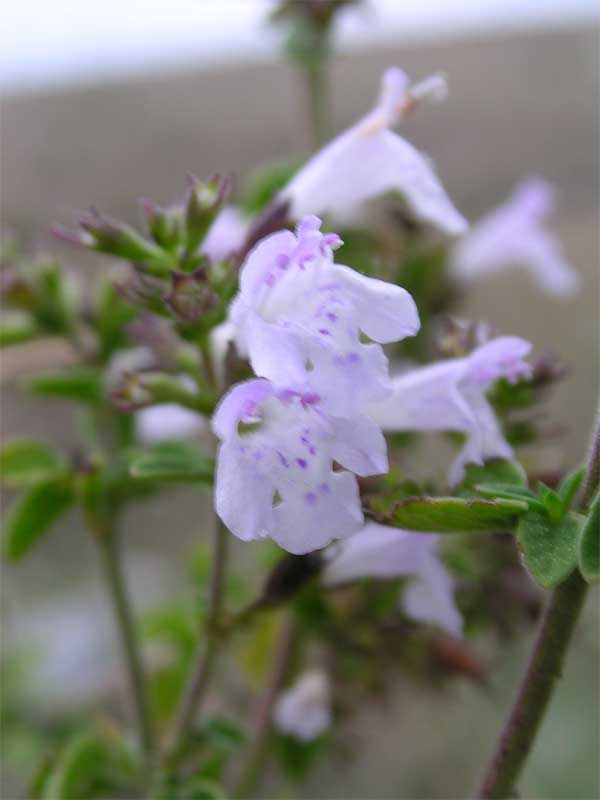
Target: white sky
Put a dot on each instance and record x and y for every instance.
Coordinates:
(53, 42)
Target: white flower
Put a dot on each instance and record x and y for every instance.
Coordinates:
(304, 710)
(226, 235)
(451, 396)
(514, 235)
(369, 160)
(299, 316)
(384, 552)
(167, 421)
(275, 472)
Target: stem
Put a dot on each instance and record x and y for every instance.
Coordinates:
(545, 666)
(207, 652)
(317, 90)
(261, 727)
(115, 581)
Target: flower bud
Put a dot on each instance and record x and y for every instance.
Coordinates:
(116, 238)
(137, 390)
(190, 295)
(164, 224)
(205, 199)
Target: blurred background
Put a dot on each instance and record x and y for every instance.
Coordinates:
(108, 102)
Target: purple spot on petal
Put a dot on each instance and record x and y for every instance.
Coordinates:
(353, 358)
(324, 488)
(310, 398)
(311, 498)
(301, 463)
(283, 459)
(331, 316)
(282, 261)
(324, 331)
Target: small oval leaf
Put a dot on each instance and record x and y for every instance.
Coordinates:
(24, 462)
(496, 471)
(33, 514)
(454, 514)
(78, 383)
(549, 548)
(172, 461)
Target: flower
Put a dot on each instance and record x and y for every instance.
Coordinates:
(275, 472)
(368, 160)
(380, 551)
(299, 315)
(167, 421)
(514, 235)
(451, 396)
(304, 710)
(226, 235)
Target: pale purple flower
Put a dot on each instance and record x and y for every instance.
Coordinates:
(304, 710)
(167, 421)
(369, 160)
(451, 396)
(515, 235)
(299, 315)
(226, 235)
(275, 472)
(383, 552)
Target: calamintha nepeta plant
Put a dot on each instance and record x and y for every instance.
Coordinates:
(250, 326)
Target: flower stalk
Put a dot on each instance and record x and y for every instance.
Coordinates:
(554, 636)
(109, 549)
(206, 656)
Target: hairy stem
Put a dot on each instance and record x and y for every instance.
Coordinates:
(317, 89)
(115, 581)
(206, 656)
(554, 635)
(254, 761)
(545, 667)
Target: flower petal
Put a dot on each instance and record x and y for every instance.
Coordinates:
(375, 551)
(430, 598)
(359, 445)
(243, 495)
(167, 421)
(310, 520)
(239, 403)
(385, 312)
(226, 234)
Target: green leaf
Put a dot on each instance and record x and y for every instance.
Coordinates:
(589, 543)
(553, 505)
(495, 471)
(17, 327)
(75, 769)
(509, 490)
(569, 486)
(33, 514)
(172, 461)
(113, 315)
(199, 788)
(92, 765)
(549, 548)
(78, 383)
(224, 734)
(454, 514)
(24, 462)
